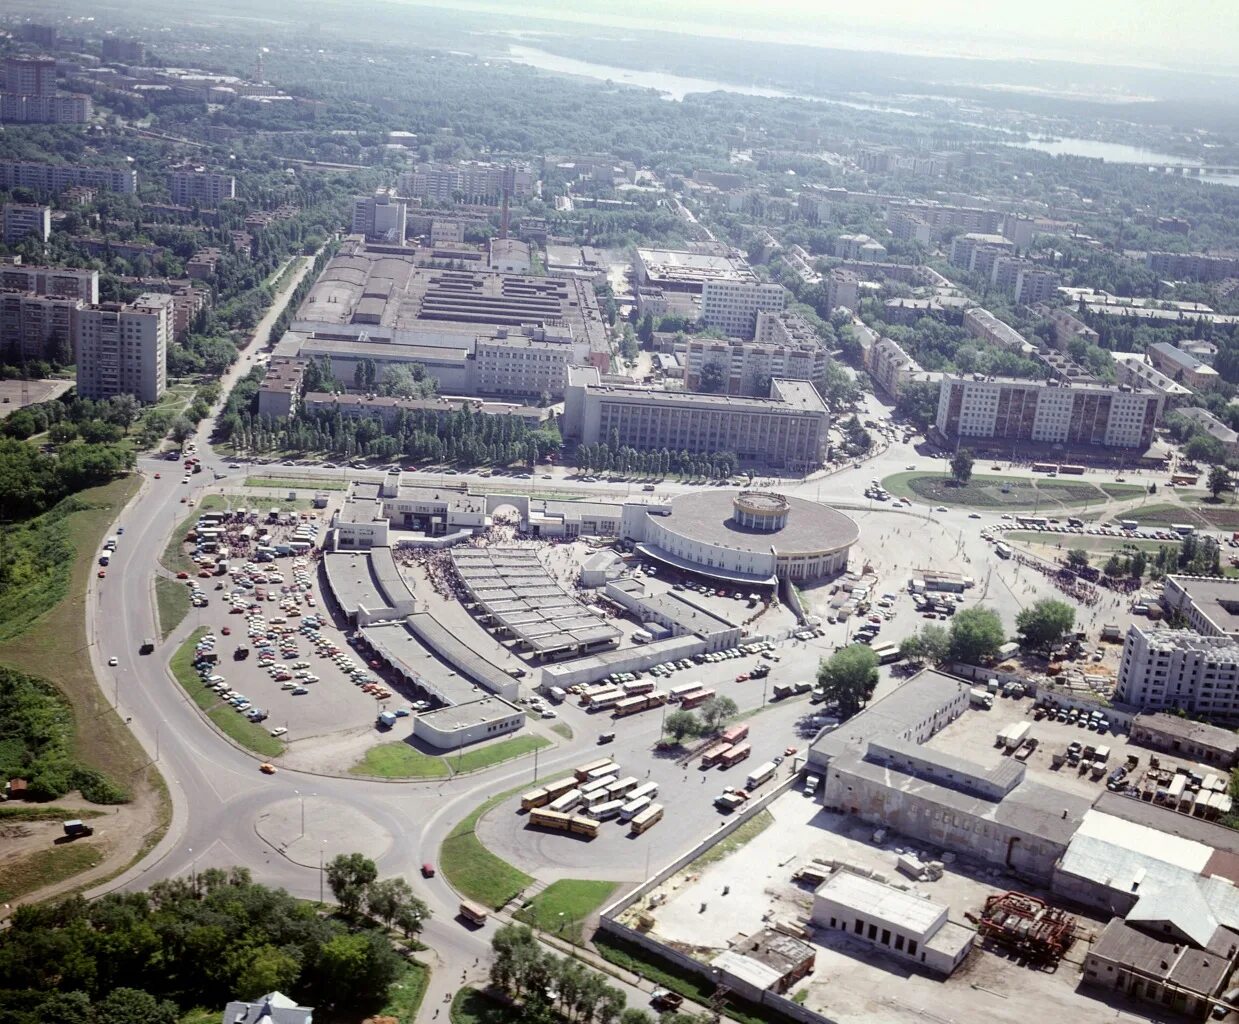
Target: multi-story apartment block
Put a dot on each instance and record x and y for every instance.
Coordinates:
(910, 227)
(1183, 366)
(382, 217)
(1008, 410)
(842, 289)
(786, 430)
(74, 284)
(1214, 427)
(893, 369)
(747, 367)
(190, 186)
(58, 108)
(861, 248)
(964, 250)
(123, 51)
(732, 305)
(521, 366)
(280, 393)
(1209, 604)
(1166, 669)
(58, 177)
(30, 76)
(37, 326)
(1193, 266)
(1132, 369)
(122, 349)
(981, 323)
(22, 220)
(961, 218)
(469, 182)
(1034, 284)
(1068, 327)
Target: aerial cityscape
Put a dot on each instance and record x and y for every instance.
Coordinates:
(661, 515)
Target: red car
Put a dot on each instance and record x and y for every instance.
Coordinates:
(158, 476)
(227, 631)
(428, 870)
(182, 575)
(102, 574)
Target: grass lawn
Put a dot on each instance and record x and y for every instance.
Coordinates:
(564, 906)
(287, 483)
(199, 1017)
(472, 869)
(493, 753)
(665, 974)
(405, 996)
(1123, 492)
(1085, 543)
(987, 491)
(251, 735)
(46, 867)
(400, 761)
(172, 600)
(562, 729)
(1167, 514)
(473, 1007)
(175, 557)
(19, 812)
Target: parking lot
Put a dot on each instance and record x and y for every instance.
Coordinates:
(701, 908)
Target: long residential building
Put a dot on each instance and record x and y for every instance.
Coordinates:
(1005, 409)
(75, 284)
(1193, 266)
(1181, 669)
(1215, 428)
(37, 326)
(58, 177)
(981, 323)
(122, 348)
(747, 365)
(61, 108)
(893, 369)
(1134, 370)
(1182, 366)
(733, 305)
(469, 182)
(786, 430)
(1209, 604)
(191, 186)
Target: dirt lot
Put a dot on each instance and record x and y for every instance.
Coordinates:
(36, 391)
(851, 980)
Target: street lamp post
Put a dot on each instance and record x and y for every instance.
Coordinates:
(301, 800)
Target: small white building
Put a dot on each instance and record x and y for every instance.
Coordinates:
(900, 923)
(459, 725)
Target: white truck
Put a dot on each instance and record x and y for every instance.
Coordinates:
(760, 775)
(1015, 735)
(979, 697)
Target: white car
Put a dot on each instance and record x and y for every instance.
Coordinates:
(113, 661)
(940, 508)
(278, 731)
(548, 713)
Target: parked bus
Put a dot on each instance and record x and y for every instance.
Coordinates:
(696, 698)
(607, 811)
(535, 798)
(633, 705)
(1045, 467)
(566, 802)
(710, 758)
(1183, 529)
(606, 773)
(1071, 469)
(550, 819)
(1031, 522)
(647, 819)
(582, 772)
(1002, 550)
(637, 687)
(591, 800)
(677, 693)
(560, 786)
(621, 786)
(734, 755)
(1074, 521)
(761, 774)
(602, 699)
(1129, 524)
(735, 733)
(583, 825)
(596, 785)
(649, 789)
(473, 913)
(634, 807)
(886, 653)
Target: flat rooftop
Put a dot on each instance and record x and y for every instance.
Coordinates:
(669, 266)
(792, 396)
(1216, 599)
(881, 902)
(474, 712)
(708, 516)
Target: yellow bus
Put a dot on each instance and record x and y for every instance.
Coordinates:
(647, 819)
(535, 798)
(473, 913)
(583, 772)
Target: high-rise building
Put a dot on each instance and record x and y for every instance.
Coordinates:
(75, 284)
(122, 51)
(964, 250)
(732, 305)
(191, 186)
(58, 177)
(122, 349)
(21, 220)
(1193, 266)
(469, 182)
(1166, 669)
(37, 326)
(30, 76)
(842, 289)
(1007, 410)
(381, 217)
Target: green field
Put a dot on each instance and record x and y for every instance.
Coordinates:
(46, 867)
(251, 735)
(400, 761)
(1167, 514)
(472, 869)
(1104, 545)
(172, 600)
(405, 996)
(295, 484)
(1020, 493)
(19, 812)
(493, 753)
(563, 907)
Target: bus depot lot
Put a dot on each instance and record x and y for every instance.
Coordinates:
(972, 736)
(851, 980)
(685, 791)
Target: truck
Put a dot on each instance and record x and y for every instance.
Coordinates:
(1014, 735)
(557, 694)
(759, 775)
(979, 697)
(811, 782)
(75, 828)
(729, 800)
(148, 645)
(386, 719)
(782, 690)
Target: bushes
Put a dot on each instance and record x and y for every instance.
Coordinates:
(37, 727)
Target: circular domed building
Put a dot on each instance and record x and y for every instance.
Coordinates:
(750, 536)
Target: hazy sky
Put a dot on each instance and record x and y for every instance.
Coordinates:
(1199, 34)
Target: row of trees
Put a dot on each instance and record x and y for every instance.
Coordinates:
(612, 457)
(356, 885)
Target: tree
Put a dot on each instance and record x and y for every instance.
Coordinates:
(355, 970)
(716, 710)
(976, 633)
(1077, 558)
(349, 875)
(1138, 565)
(1045, 623)
(849, 677)
(712, 378)
(961, 466)
(680, 724)
(134, 1006)
(1219, 481)
(182, 429)
(392, 902)
(935, 643)
(263, 969)
(911, 648)
(1113, 566)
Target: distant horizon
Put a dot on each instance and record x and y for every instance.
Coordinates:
(1109, 42)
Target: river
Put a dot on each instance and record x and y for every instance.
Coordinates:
(1121, 153)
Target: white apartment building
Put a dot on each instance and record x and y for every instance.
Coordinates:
(910, 227)
(469, 182)
(1166, 669)
(21, 220)
(381, 217)
(860, 248)
(842, 289)
(1010, 410)
(748, 366)
(74, 284)
(58, 177)
(732, 305)
(122, 349)
(964, 250)
(190, 185)
(523, 367)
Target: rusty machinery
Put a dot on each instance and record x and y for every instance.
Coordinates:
(1028, 925)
